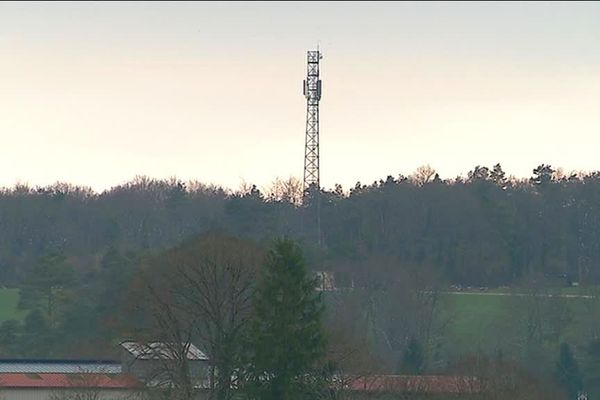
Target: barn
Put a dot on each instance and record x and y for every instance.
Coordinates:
(151, 362)
(66, 386)
(141, 368)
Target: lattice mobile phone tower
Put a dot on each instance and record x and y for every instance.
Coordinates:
(312, 92)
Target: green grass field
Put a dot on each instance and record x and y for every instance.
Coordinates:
(482, 322)
(9, 298)
(475, 322)
(473, 319)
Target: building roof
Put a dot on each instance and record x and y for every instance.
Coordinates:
(69, 381)
(160, 350)
(414, 384)
(59, 366)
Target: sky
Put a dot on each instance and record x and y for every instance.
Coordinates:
(96, 93)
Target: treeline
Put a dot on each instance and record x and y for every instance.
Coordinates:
(484, 229)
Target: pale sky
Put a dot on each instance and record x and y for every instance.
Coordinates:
(96, 93)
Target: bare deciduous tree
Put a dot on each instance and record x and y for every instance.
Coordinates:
(203, 293)
(423, 175)
(501, 380)
(287, 190)
(175, 330)
(88, 385)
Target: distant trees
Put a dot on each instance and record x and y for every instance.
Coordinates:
(591, 367)
(504, 380)
(498, 176)
(288, 190)
(48, 279)
(36, 335)
(482, 229)
(413, 358)
(567, 371)
(543, 174)
(423, 175)
(9, 331)
(397, 312)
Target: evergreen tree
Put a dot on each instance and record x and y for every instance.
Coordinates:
(498, 175)
(568, 372)
(286, 341)
(543, 174)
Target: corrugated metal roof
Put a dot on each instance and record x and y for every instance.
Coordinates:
(70, 381)
(59, 366)
(160, 350)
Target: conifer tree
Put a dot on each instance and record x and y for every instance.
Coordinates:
(286, 341)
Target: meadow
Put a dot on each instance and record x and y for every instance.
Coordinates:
(489, 321)
(474, 322)
(9, 298)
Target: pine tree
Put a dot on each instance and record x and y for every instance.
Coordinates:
(286, 341)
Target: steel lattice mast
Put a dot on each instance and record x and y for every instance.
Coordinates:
(312, 92)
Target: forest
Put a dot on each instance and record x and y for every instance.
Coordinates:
(485, 229)
(400, 243)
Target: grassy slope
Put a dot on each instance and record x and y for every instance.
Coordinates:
(473, 320)
(481, 322)
(476, 322)
(8, 305)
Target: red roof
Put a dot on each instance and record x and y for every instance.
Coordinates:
(414, 384)
(66, 381)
